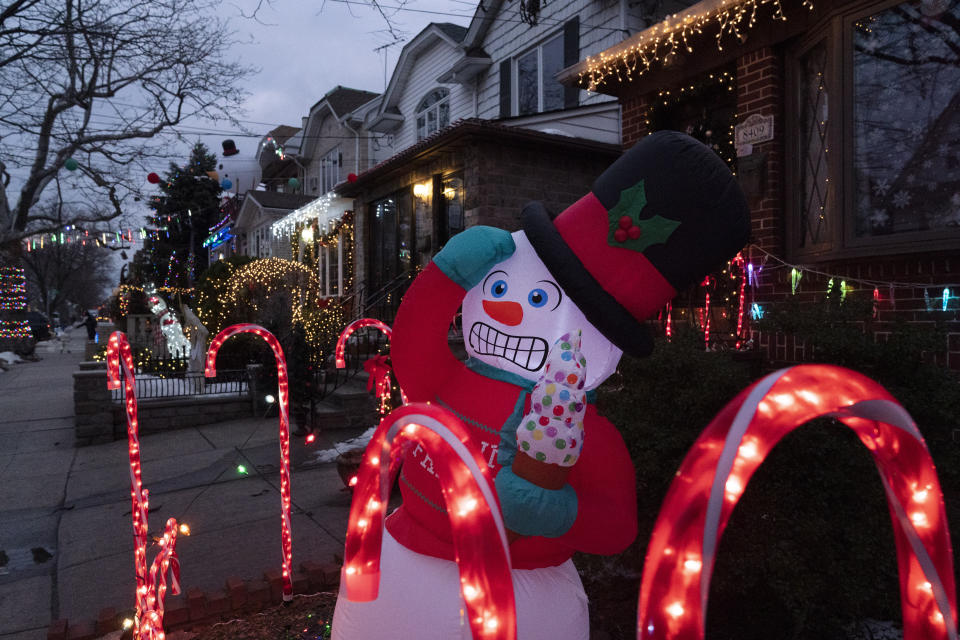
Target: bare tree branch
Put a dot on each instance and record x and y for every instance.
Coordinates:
(102, 82)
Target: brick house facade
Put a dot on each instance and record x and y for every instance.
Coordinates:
(487, 171)
(912, 274)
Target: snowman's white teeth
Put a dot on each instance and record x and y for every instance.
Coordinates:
(528, 352)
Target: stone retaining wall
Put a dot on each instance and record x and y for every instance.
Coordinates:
(97, 418)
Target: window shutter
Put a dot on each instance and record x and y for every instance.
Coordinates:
(505, 89)
(571, 55)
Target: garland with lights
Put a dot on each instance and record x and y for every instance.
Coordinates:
(339, 230)
(71, 234)
(637, 54)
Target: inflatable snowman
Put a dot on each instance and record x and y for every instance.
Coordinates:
(547, 313)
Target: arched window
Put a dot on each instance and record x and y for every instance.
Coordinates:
(433, 112)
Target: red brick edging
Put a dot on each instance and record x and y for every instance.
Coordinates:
(197, 608)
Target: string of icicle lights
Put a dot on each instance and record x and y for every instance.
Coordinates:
(312, 211)
(635, 55)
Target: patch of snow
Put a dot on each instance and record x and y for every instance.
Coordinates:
(329, 455)
(10, 357)
(151, 386)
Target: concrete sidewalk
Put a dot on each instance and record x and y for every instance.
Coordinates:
(65, 523)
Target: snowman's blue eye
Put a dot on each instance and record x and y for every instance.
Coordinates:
(499, 288)
(537, 297)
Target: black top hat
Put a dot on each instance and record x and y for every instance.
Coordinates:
(229, 148)
(660, 218)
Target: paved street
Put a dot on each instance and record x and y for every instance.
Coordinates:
(65, 524)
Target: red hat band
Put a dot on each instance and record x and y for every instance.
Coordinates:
(662, 216)
(626, 275)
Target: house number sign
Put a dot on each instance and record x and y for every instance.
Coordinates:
(753, 130)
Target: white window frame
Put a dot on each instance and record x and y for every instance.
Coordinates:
(515, 75)
(324, 268)
(424, 111)
(330, 169)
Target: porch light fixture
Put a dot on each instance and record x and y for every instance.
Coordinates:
(421, 190)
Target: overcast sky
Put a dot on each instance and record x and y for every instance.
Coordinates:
(305, 48)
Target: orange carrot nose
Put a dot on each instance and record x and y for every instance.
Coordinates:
(504, 311)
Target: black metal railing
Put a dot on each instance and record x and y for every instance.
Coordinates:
(235, 383)
(364, 343)
(383, 303)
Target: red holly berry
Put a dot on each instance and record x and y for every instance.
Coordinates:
(634, 232)
(620, 235)
(626, 222)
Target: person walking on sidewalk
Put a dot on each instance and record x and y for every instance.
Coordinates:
(91, 324)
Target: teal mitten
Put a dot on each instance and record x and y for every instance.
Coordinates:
(469, 255)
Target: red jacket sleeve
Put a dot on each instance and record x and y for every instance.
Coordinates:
(421, 357)
(606, 486)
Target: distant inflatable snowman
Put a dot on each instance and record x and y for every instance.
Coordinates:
(238, 173)
(547, 313)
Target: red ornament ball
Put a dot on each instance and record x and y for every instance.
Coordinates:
(153, 178)
(351, 177)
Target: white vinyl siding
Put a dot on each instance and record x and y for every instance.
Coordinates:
(422, 79)
(509, 38)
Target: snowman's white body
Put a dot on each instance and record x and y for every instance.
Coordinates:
(509, 321)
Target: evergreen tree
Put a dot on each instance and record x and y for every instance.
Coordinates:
(188, 205)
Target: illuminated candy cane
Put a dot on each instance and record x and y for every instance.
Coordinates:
(479, 537)
(713, 476)
(283, 401)
(340, 353)
(149, 601)
(165, 560)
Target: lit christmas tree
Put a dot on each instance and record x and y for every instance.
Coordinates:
(14, 329)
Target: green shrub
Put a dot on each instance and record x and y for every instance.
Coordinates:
(809, 548)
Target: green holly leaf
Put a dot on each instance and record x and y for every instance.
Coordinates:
(639, 233)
